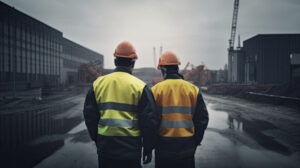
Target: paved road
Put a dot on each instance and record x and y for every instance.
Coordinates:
(240, 134)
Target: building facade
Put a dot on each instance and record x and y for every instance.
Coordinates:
(236, 62)
(73, 56)
(269, 58)
(33, 54)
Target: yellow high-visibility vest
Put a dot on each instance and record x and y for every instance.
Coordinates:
(117, 96)
(176, 100)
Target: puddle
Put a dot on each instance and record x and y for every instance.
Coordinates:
(234, 125)
(217, 119)
(75, 155)
(27, 137)
(220, 151)
(78, 128)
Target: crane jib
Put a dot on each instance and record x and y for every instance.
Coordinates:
(234, 23)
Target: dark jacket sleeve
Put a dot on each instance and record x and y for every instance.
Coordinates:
(200, 119)
(91, 114)
(148, 119)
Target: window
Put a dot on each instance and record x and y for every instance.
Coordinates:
(28, 62)
(18, 59)
(50, 64)
(38, 63)
(6, 58)
(18, 32)
(23, 34)
(23, 61)
(47, 64)
(42, 62)
(5, 27)
(5, 40)
(27, 46)
(18, 44)
(34, 59)
(1, 27)
(54, 65)
(11, 30)
(1, 57)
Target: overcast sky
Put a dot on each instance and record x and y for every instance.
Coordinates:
(196, 30)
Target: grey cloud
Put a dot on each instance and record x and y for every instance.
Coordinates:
(197, 30)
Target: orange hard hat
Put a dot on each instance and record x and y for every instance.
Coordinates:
(125, 50)
(168, 58)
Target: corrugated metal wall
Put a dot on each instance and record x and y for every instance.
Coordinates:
(270, 56)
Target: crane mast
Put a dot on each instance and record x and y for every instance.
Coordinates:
(234, 23)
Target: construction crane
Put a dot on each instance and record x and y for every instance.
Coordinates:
(232, 39)
(234, 23)
(185, 68)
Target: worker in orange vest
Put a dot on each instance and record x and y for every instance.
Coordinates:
(120, 114)
(183, 115)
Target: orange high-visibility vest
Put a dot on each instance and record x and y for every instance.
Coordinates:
(176, 100)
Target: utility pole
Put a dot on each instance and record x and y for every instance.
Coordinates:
(239, 42)
(160, 50)
(154, 56)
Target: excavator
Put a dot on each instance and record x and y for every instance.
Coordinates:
(90, 71)
(199, 75)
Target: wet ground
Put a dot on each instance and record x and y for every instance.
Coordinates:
(240, 134)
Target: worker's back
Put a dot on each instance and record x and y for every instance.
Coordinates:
(119, 112)
(176, 100)
(117, 96)
(183, 114)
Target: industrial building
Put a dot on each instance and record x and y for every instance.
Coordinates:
(272, 58)
(33, 54)
(236, 61)
(73, 56)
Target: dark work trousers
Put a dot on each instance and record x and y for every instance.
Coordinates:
(114, 163)
(178, 163)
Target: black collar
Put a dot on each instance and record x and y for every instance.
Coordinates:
(174, 76)
(123, 69)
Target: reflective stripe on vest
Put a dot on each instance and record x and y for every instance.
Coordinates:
(176, 100)
(119, 123)
(117, 96)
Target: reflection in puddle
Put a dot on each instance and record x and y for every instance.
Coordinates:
(245, 131)
(78, 128)
(217, 119)
(73, 155)
(221, 151)
(29, 136)
(235, 123)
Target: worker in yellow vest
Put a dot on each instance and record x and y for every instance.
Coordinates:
(120, 114)
(183, 115)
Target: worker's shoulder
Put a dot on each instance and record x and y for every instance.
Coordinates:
(127, 77)
(155, 87)
(99, 79)
(174, 82)
(136, 80)
(120, 76)
(189, 84)
(160, 84)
